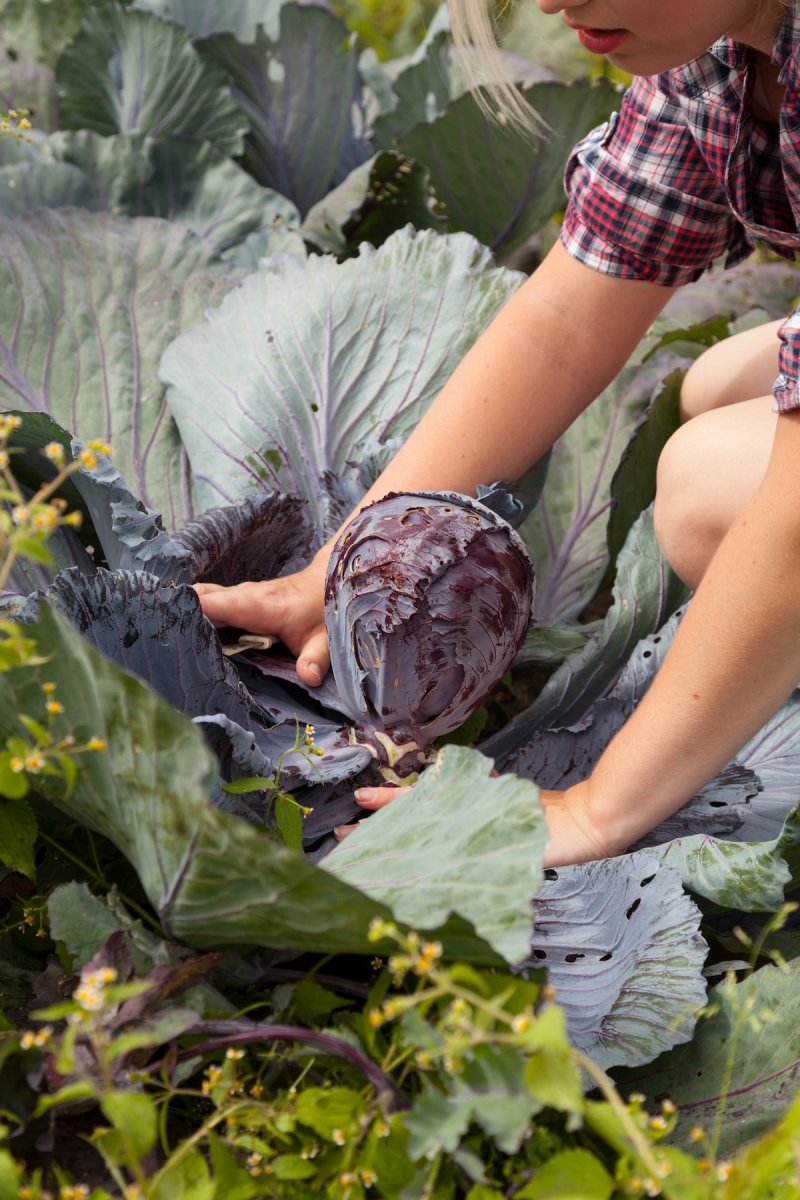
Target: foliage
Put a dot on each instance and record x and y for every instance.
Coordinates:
(161, 283)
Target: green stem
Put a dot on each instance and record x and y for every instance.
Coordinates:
(126, 900)
(5, 570)
(636, 1137)
(189, 1144)
(727, 1078)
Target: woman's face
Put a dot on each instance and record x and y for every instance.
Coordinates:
(644, 37)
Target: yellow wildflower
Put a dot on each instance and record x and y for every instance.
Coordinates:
(96, 743)
(90, 999)
(46, 518)
(339, 1137)
(54, 708)
(55, 452)
(34, 762)
(378, 928)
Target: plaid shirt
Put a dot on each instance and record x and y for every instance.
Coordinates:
(685, 173)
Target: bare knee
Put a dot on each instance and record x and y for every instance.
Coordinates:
(736, 369)
(707, 473)
(687, 524)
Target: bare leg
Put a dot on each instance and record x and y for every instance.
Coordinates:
(741, 367)
(710, 469)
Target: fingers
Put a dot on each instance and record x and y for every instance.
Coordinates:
(245, 604)
(374, 798)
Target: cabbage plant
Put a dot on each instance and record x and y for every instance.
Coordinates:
(156, 289)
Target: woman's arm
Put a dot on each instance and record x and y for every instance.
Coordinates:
(734, 660)
(554, 346)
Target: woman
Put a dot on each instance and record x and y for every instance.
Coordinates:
(703, 158)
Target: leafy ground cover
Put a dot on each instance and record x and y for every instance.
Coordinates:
(246, 253)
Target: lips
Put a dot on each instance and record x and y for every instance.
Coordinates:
(601, 41)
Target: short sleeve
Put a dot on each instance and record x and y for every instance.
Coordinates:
(642, 201)
(786, 388)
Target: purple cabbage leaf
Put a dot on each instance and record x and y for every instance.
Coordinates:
(239, 17)
(730, 842)
(620, 940)
(132, 72)
(302, 140)
(213, 878)
(742, 1068)
(497, 182)
(176, 179)
(88, 303)
(305, 362)
(646, 593)
(566, 534)
(502, 856)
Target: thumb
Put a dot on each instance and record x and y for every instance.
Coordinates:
(314, 659)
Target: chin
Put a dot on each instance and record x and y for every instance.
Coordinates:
(644, 63)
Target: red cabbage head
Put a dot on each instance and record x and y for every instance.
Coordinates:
(427, 599)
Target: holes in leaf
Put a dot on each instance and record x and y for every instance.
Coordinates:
(539, 953)
(606, 957)
(550, 873)
(573, 957)
(647, 654)
(717, 804)
(633, 907)
(647, 879)
(656, 639)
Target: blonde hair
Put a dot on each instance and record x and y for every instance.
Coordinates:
(475, 37)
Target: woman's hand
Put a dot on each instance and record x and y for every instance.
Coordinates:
(370, 798)
(290, 608)
(573, 836)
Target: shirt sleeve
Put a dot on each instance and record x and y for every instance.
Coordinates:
(643, 203)
(786, 389)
